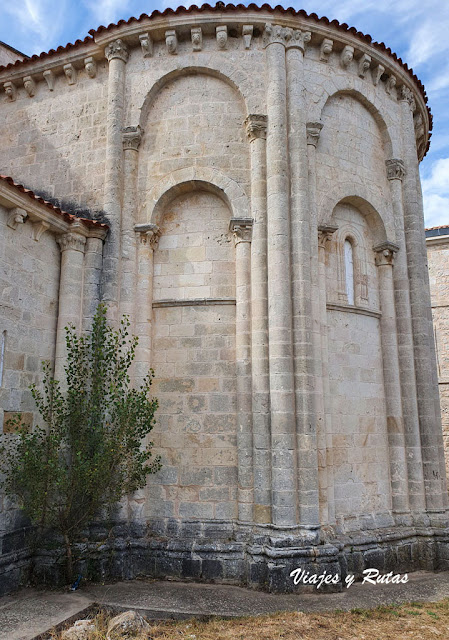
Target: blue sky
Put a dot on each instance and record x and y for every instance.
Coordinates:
(417, 30)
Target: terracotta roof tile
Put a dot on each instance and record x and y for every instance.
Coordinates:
(68, 217)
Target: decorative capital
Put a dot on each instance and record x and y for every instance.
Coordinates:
(132, 137)
(10, 90)
(385, 253)
(197, 38)
(346, 56)
(146, 44)
(222, 36)
(274, 34)
(73, 241)
(70, 73)
(364, 65)
(242, 229)
(325, 233)
(171, 42)
(90, 66)
(395, 169)
(297, 39)
(256, 126)
(326, 49)
(49, 78)
(15, 217)
(313, 132)
(117, 49)
(406, 94)
(247, 33)
(30, 85)
(149, 234)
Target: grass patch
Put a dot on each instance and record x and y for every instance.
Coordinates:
(428, 621)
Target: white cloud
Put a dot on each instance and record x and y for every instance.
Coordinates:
(106, 11)
(40, 22)
(436, 194)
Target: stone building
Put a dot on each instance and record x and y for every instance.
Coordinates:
(257, 170)
(437, 241)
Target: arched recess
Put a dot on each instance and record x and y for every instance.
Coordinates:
(371, 103)
(195, 179)
(373, 208)
(182, 73)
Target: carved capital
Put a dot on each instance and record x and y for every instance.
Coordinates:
(346, 56)
(49, 78)
(313, 132)
(297, 39)
(326, 49)
(385, 253)
(146, 44)
(149, 234)
(73, 241)
(15, 217)
(325, 233)
(90, 66)
(197, 38)
(117, 49)
(274, 34)
(390, 85)
(70, 73)
(406, 95)
(256, 126)
(222, 36)
(242, 229)
(132, 137)
(395, 169)
(364, 65)
(10, 90)
(378, 72)
(171, 42)
(30, 85)
(247, 33)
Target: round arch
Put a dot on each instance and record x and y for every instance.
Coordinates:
(375, 210)
(371, 103)
(182, 73)
(195, 179)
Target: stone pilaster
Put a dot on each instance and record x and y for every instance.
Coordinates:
(256, 126)
(147, 239)
(424, 348)
(117, 55)
(131, 141)
(93, 263)
(282, 390)
(242, 229)
(392, 384)
(72, 247)
(325, 444)
(304, 355)
(395, 174)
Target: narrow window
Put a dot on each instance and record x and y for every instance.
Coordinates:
(349, 271)
(2, 355)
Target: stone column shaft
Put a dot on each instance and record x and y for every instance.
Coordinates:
(395, 174)
(424, 349)
(282, 396)
(72, 246)
(93, 263)
(256, 128)
(148, 236)
(241, 229)
(117, 54)
(304, 362)
(392, 384)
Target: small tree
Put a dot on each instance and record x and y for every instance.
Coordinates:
(91, 452)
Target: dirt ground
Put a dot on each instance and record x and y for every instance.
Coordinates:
(420, 621)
